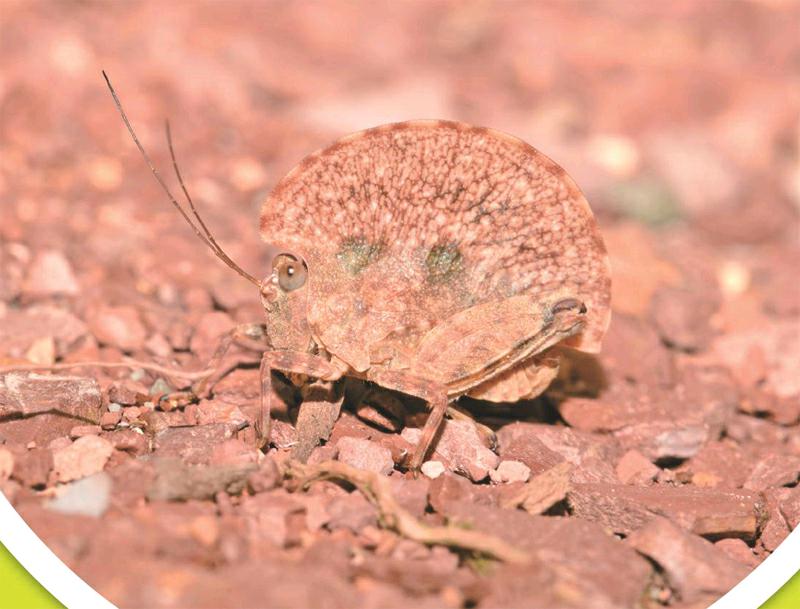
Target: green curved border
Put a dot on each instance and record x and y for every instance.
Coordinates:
(787, 597)
(19, 590)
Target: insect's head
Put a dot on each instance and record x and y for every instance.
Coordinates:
(284, 297)
(566, 316)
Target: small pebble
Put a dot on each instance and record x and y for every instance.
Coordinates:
(365, 454)
(510, 471)
(88, 497)
(434, 469)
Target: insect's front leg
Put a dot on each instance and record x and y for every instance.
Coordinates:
(289, 362)
(251, 336)
(244, 335)
(434, 394)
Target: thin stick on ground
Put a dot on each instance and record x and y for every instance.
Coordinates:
(392, 516)
(128, 363)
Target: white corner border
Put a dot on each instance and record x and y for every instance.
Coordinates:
(767, 578)
(40, 561)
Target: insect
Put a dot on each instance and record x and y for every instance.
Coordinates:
(433, 258)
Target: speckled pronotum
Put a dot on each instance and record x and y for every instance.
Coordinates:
(434, 258)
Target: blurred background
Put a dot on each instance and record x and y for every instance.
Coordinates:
(669, 115)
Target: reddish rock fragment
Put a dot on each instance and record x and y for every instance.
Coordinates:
(773, 471)
(462, 450)
(539, 585)
(448, 492)
(327, 452)
(664, 440)
(351, 511)
(119, 327)
(233, 452)
(541, 447)
(746, 429)
(217, 411)
(711, 513)
(32, 468)
(50, 274)
(177, 481)
(738, 550)
(542, 492)
(208, 331)
(156, 422)
(127, 392)
(790, 507)
(784, 410)
(659, 422)
(779, 342)
(411, 494)
(633, 351)
(85, 456)
(193, 445)
(282, 435)
(21, 328)
(56, 444)
(84, 430)
(128, 440)
(776, 529)
(693, 566)
(366, 455)
(67, 535)
(682, 315)
(606, 572)
(521, 443)
(717, 464)
(109, 420)
(40, 429)
(417, 570)
(131, 481)
(267, 477)
(27, 394)
(6, 463)
(318, 412)
(268, 518)
(634, 468)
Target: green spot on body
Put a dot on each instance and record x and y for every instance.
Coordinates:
(357, 253)
(444, 262)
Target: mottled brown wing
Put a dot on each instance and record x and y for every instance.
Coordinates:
(525, 381)
(441, 212)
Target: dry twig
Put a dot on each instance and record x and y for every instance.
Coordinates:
(128, 363)
(392, 516)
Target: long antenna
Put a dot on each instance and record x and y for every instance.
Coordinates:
(204, 235)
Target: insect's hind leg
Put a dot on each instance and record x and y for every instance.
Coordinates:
(435, 395)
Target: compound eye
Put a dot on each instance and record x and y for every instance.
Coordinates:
(291, 272)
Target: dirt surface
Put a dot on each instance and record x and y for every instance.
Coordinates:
(658, 473)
